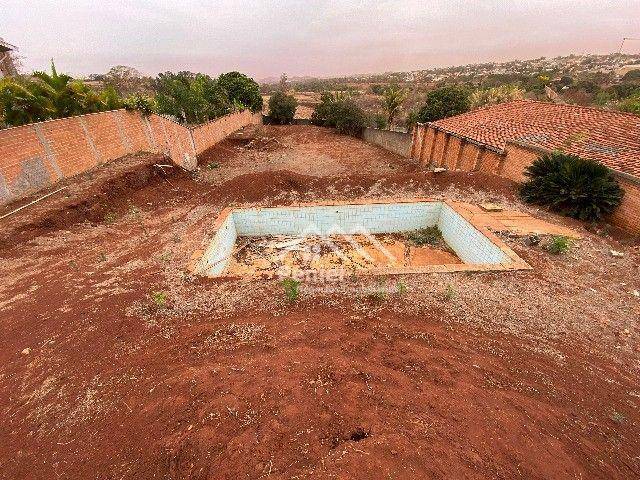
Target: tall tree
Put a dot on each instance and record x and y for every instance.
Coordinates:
(127, 80)
(444, 102)
(242, 90)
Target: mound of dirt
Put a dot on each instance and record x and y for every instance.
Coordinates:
(98, 201)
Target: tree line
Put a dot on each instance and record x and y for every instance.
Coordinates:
(189, 98)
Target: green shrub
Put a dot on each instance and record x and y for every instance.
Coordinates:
(242, 89)
(444, 102)
(449, 293)
(378, 295)
(495, 95)
(110, 217)
(558, 245)
(392, 99)
(142, 103)
(350, 118)
(426, 236)
(573, 186)
(282, 107)
(379, 121)
(630, 104)
(159, 298)
(323, 112)
(191, 97)
(46, 96)
(291, 289)
(411, 120)
(340, 112)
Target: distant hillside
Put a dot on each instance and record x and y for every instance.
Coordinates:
(614, 65)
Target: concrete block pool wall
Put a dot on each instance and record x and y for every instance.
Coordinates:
(470, 244)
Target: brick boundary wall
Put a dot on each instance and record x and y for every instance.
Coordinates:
(397, 142)
(208, 134)
(38, 155)
(436, 147)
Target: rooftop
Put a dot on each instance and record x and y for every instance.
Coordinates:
(610, 137)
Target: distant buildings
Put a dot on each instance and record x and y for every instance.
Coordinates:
(7, 67)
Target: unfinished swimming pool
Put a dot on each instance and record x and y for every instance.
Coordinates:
(367, 237)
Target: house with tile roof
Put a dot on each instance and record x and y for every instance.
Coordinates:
(504, 139)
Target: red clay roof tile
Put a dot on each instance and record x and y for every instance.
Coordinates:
(612, 138)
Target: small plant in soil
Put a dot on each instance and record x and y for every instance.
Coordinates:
(426, 236)
(159, 298)
(133, 210)
(213, 165)
(103, 257)
(110, 217)
(617, 417)
(378, 296)
(449, 293)
(291, 289)
(401, 288)
(558, 245)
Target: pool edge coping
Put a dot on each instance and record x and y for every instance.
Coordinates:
(517, 263)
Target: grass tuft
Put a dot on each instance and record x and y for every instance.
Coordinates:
(558, 245)
(449, 293)
(291, 289)
(160, 298)
(426, 236)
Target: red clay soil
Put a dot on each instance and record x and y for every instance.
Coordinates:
(315, 393)
(115, 363)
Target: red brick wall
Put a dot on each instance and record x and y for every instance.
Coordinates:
(627, 215)
(439, 148)
(490, 162)
(469, 157)
(37, 155)
(428, 144)
(208, 134)
(518, 159)
(417, 140)
(452, 152)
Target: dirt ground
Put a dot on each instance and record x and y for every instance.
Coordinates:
(115, 363)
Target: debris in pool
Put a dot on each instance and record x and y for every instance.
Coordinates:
(351, 252)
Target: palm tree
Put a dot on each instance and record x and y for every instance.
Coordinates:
(66, 95)
(20, 104)
(393, 97)
(50, 95)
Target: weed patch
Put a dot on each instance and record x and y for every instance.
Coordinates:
(159, 298)
(426, 236)
(291, 289)
(110, 217)
(558, 245)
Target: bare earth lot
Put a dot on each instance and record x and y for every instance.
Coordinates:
(529, 374)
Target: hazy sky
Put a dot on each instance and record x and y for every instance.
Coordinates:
(308, 37)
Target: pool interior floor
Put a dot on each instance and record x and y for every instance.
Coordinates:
(267, 254)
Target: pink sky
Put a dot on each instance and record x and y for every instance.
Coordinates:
(308, 37)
